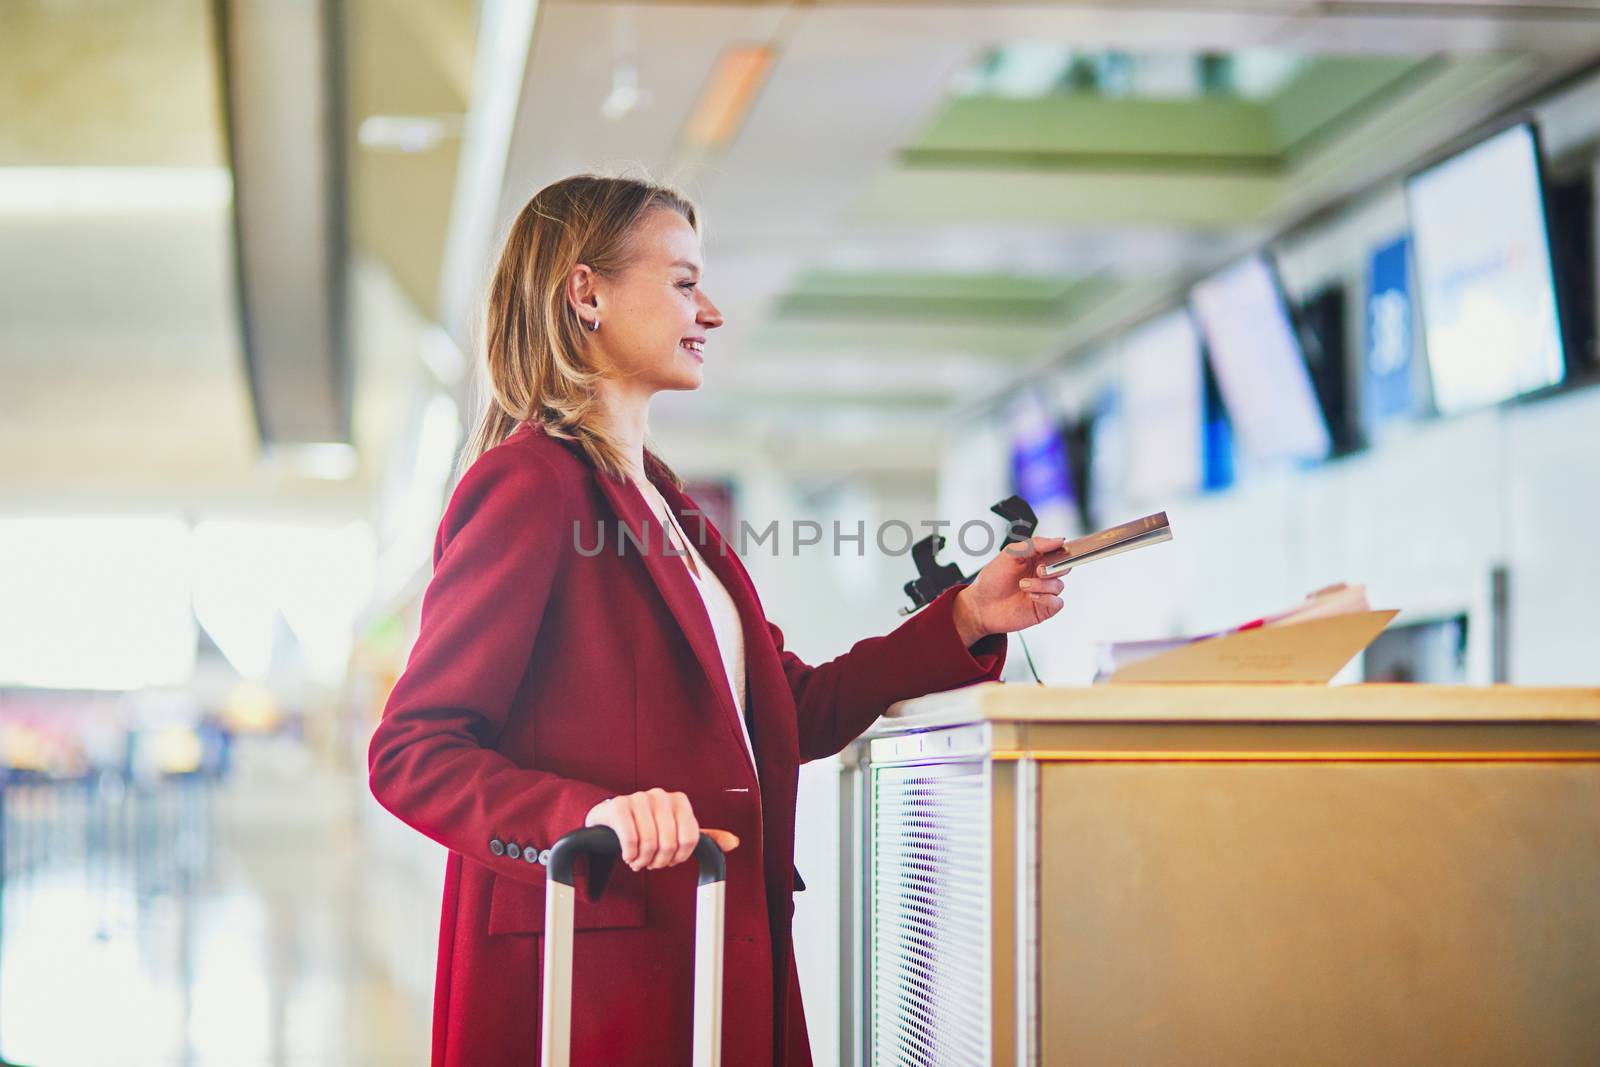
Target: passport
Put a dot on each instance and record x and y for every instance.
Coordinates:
(1112, 541)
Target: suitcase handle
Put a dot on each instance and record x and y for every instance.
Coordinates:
(601, 843)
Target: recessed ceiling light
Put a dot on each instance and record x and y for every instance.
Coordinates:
(327, 461)
(407, 133)
(626, 97)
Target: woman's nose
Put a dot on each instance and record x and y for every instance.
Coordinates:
(709, 316)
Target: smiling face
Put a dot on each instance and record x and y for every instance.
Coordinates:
(653, 315)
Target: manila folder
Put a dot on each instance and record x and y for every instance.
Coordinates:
(1311, 651)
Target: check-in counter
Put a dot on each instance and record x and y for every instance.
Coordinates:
(1225, 875)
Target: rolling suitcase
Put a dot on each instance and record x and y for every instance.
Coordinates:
(600, 843)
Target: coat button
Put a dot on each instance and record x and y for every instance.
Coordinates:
(531, 855)
(497, 846)
(544, 857)
(514, 851)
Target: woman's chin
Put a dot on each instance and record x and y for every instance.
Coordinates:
(687, 381)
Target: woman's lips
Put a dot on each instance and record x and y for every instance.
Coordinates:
(694, 348)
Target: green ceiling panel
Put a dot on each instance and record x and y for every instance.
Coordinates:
(1000, 338)
(1022, 287)
(1083, 126)
(1083, 131)
(911, 397)
(1208, 164)
(1331, 113)
(1328, 97)
(836, 294)
(1201, 200)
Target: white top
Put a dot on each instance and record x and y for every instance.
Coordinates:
(725, 623)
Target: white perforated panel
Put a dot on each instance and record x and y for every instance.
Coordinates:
(929, 978)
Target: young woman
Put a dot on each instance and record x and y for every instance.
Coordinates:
(641, 686)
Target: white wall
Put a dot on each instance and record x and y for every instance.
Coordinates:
(1421, 521)
(824, 603)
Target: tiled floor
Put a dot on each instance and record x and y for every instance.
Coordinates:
(271, 957)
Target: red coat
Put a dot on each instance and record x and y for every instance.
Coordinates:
(545, 680)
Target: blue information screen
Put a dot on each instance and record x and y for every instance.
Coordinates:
(1388, 365)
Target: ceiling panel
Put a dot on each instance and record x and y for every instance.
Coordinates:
(108, 84)
(410, 63)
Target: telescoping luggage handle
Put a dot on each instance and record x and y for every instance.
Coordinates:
(600, 843)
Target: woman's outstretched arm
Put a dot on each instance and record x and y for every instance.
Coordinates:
(957, 640)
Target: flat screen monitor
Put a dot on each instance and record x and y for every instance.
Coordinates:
(1163, 405)
(1078, 435)
(1259, 364)
(1219, 437)
(1488, 299)
(1387, 377)
(1041, 470)
(1321, 317)
(1108, 460)
(1433, 651)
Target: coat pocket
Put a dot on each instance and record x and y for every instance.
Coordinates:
(517, 907)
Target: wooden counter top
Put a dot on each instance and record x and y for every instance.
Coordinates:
(1023, 703)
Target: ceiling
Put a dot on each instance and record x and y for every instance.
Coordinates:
(118, 341)
(125, 386)
(886, 241)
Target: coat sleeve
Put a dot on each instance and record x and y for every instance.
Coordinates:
(836, 701)
(431, 761)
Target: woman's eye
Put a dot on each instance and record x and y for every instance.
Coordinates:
(686, 285)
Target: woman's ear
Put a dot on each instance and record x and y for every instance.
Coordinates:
(582, 296)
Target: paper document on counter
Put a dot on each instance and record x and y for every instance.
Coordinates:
(1310, 642)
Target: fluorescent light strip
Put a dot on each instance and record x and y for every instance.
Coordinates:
(103, 191)
(734, 83)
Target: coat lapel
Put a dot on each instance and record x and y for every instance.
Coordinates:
(772, 735)
(763, 671)
(670, 574)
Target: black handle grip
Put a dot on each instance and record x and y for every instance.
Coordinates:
(601, 843)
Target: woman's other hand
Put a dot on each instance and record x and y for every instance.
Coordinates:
(657, 828)
(1008, 594)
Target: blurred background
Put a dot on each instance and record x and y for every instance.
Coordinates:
(1316, 278)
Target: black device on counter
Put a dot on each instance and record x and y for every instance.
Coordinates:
(934, 577)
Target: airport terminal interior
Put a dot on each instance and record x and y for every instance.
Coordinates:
(1312, 280)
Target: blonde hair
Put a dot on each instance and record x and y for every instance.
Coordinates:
(537, 367)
